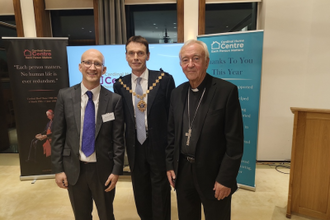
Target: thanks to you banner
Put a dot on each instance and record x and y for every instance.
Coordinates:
(37, 70)
(236, 57)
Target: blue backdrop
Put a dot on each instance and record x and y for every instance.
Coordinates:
(165, 56)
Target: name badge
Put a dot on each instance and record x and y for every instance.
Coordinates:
(108, 117)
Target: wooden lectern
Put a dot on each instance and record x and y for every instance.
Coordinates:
(309, 186)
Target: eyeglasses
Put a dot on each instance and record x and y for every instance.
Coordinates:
(88, 64)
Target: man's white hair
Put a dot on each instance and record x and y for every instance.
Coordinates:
(193, 41)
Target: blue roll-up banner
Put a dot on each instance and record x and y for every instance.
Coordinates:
(237, 57)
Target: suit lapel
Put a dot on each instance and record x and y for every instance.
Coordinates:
(180, 110)
(76, 99)
(103, 103)
(127, 95)
(204, 108)
(153, 75)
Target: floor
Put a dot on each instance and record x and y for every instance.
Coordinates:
(42, 199)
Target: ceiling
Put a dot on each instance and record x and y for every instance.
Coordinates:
(154, 25)
(218, 19)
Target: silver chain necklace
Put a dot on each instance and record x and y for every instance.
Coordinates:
(188, 134)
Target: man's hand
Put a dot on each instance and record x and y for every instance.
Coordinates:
(221, 191)
(61, 180)
(112, 180)
(171, 178)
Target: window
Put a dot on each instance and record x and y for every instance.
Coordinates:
(77, 25)
(7, 29)
(220, 18)
(157, 23)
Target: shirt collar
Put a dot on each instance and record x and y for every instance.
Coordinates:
(95, 91)
(144, 75)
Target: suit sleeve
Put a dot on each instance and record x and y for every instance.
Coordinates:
(58, 134)
(169, 88)
(118, 138)
(170, 138)
(169, 150)
(234, 141)
(116, 88)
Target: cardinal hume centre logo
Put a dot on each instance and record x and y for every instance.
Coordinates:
(227, 46)
(37, 54)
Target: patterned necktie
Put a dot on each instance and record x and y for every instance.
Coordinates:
(88, 136)
(139, 116)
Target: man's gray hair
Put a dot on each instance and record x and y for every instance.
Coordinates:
(193, 41)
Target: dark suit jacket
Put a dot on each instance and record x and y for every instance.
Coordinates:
(218, 137)
(109, 141)
(157, 110)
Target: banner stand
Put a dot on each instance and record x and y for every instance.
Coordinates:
(37, 177)
(241, 186)
(38, 69)
(237, 57)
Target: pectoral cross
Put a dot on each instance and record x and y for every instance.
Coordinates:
(188, 134)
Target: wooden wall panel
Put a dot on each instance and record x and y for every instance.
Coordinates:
(18, 18)
(180, 20)
(42, 18)
(201, 17)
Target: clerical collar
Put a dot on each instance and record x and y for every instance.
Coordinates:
(202, 85)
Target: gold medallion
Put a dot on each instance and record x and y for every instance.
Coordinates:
(142, 105)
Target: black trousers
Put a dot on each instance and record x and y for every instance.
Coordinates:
(190, 198)
(150, 185)
(87, 189)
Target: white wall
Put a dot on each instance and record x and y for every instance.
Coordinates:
(295, 72)
(295, 68)
(28, 18)
(190, 19)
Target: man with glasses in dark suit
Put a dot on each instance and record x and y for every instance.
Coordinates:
(88, 145)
